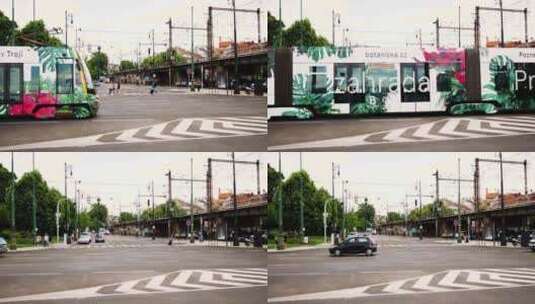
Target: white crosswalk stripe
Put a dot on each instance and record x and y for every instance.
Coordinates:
(445, 281)
(178, 281)
(175, 130)
(441, 130)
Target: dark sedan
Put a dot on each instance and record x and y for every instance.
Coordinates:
(3, 245)
(355, 245)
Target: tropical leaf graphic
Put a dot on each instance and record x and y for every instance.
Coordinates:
(460, 109)
(298, 113)
(320, 103)
(3, 110)
(505, 98)
(48, 56)
(317, 53)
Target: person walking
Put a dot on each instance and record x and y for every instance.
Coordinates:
(154, 83)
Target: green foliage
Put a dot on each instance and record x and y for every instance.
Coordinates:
(49, 55)
(275, 29)
(126, 65)
(6, 178)
(301, 33)
(275, 179)
(161, 211)
(161, 59)
(126, 217)
(367, 213)
(7, 29)
(394, 217)
(427, 212)
(36, 34)
(316, 103)
(98, 215)
(98, 65)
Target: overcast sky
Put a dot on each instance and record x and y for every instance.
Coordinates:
(117, 177)
(120, 25)
(385, 178)
(395, 23)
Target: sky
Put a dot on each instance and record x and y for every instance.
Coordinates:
(396, 23)
(119, 26)
(385, 178)
(117, 177)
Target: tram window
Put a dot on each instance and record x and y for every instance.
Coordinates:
(319, 79)
(2, 84)
(65, 78)
(500, 81)
(355, 82)
(15, 84)
(35, 80)
(77, 77)
(415, 82)
(443, 83)
(340, 80)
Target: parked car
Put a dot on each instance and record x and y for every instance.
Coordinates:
(3, 245)
(355, 245)
(99, 237)
(85, 238)
(532, 244)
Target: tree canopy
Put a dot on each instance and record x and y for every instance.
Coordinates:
(300, 33)
(36, 34)
(7, 29)
(126, 65)
(161, 59)
(98, 65)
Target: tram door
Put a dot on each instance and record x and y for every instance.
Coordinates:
(349, 83)
(11, 83)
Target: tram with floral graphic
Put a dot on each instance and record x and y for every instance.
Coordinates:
(319, 81)
(45, 83)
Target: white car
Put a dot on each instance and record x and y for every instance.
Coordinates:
(532, 244)
(85, 238)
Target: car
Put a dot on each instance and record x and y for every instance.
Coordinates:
(3, 245)
(532, 244)
(355, 245)
(99, 237)
(85, 238)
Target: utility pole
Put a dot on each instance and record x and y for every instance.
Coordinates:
(439, 27)
(34, 204)
(301, 215)
(459, 224)
(334, 18)
(280, 241)
(236, 239)
(171, 59)
(169, 201)
(437, 202)
(33, 10)
(420, 38)
(503, 240)
(457, 180)
(500, 161)
(236, 74)
(67, 15)
(502, 38)
(192, 29)
(459, 26)
(501, 10)
(14, 242)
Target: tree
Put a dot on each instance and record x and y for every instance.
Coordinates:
(301, 33)
(99, 215)
(354, 222)
(7, 29)
(394, 217)
(275, 30)
(98, 65)
(36, 34)
(126, 217)
(275, 179)
(367, 213)
(126, 65)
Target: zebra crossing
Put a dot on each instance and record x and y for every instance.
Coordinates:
(445, 281)
(173, 282)
(448, 129)
(175, 130)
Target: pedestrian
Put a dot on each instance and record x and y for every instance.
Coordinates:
(118, 85)
(46, 240)
(154, 83)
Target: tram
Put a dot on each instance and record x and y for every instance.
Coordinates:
(45, 83)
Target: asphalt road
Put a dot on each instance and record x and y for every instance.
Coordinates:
(134, 120)
(130, 270)
(405, 270)
(421, 133)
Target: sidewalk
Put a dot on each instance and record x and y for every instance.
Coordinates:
(478, 243)
(301, 248)
(216, 244)
(217, 92)
(37, 248)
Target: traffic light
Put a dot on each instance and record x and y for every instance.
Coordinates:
(415, 203)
